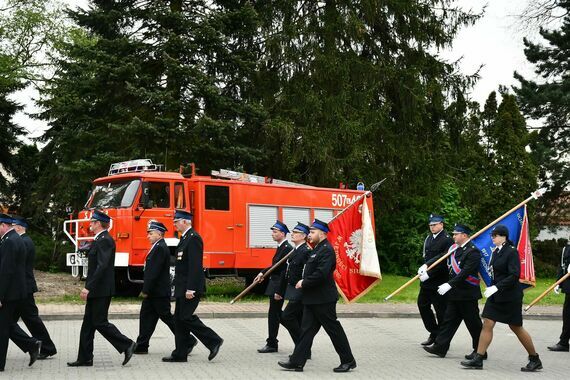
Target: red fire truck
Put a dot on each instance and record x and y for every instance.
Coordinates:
(233, 212)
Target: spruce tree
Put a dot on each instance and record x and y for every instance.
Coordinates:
(547, 99)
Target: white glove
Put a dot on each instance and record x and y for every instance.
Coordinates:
(424, 276)
(422, 269)
(490, 291)
(557, 289)
(443, 288)
(568, 269)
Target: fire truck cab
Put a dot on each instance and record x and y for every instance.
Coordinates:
(233, 212)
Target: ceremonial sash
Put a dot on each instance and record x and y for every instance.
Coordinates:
(471, 280)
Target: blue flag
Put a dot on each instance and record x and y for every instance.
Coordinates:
(514, 222)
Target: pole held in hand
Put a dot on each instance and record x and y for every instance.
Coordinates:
(550, 288)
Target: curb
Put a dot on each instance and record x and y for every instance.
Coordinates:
(222, 315)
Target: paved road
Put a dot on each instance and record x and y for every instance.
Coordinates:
(383, 347)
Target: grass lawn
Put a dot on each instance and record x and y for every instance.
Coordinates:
(391, 282)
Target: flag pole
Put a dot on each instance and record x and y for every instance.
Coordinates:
(373, 188)
(534, 195)
(550, 288)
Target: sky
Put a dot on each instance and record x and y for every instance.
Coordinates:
(495, 41)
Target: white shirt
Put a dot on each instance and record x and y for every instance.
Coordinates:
(188, 229)
(435, 235)
(155, 243)
(281, 242)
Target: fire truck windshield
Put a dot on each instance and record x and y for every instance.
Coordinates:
(113, 194)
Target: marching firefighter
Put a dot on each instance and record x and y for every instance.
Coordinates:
(564, 287)
(319, 299)
(28, 310)
(504, 301)
(435, 246)
(293, 312)
(274, 289)
(190, 285)
(156, 289)
(13, 291)
(98, 291)
(464, 293)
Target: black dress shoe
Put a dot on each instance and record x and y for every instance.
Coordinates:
(291, 366)
(558, 348)
(472, 355)
(78, 363)
(534, 364)
(475, 363)
(214, 351)
(174, 359)
(345, 367)
(45, 355)
(192, 346)
(435, 350)
(429, 341)
(141, 352)
(35, 352)
(129, 352)
(267, 349)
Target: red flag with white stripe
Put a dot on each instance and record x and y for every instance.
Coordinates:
(352, 237)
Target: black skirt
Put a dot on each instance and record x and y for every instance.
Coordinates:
(504, 312)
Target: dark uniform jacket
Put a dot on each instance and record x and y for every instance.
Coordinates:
(506, 269)
(101, 267)
(318, 277)
(433, 250)
(32, 287)
(12, 268)
(189, 273)
(157, 271)
(275, 284)
(294, 272)
(564, 262)
(468, 259)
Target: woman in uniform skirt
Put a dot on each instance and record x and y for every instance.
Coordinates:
(504, 302)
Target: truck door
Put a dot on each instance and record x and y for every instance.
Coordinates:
(156, 204)
(217, 226)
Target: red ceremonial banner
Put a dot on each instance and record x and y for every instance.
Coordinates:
(527, 275)
(352, 237)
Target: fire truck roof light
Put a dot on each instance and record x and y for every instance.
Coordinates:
(140, 165)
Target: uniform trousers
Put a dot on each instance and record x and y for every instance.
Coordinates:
(565, 336)
(457, 311)
(427, 298)
(28, 311)
(315, 316)
(273, 320)
(7, 331)
(187, 323)
(96, 319)
(153, 309)
(291, 319)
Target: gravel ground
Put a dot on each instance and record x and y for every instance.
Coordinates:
(56, 285)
